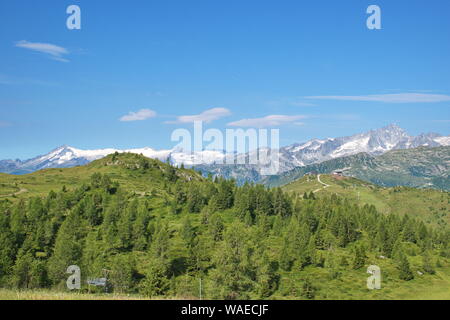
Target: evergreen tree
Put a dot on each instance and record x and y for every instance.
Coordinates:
(122, 272)
(234, 273)
(404, 268)
(216, 227)
(308, 289)
(68, 248)
(427, 263)
(285, 257)
(188, 232)
(267, 278)
(156, 283)
(359, 257)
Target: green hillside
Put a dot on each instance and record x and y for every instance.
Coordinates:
(417, 168)
(158, 230)
(431, 206)
(133, 172)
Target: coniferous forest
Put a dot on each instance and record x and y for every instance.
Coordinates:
(240, 242)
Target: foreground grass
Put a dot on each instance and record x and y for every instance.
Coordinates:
(6, 294)
(9, 294)
(350, 286)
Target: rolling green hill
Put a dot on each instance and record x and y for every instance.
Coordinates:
(432, 206)
(158, 230)
(133, 172)
(418, 168)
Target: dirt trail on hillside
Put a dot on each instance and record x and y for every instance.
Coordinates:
(22, 190)
(322, 183)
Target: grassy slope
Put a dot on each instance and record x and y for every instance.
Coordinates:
(40, 183)
(417, 168)
(431, 205)
(350, 286)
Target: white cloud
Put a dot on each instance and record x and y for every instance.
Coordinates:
(268, 121)
(206, 116)
(389, 98)
(53, 51)
(140, 115)
(295, 102)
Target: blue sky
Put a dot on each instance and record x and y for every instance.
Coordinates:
(156, 65)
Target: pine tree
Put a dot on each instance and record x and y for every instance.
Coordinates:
(18, 223)
(225, 195)
(22, 271)
(7, 247)
(195, 201)
(68, 247)
(141, 235)
(308, 289)
(404, 268)
(156, 283)
(359, 258)
(233, 276)
(216, 227)
(427, 263)
(285, 257)
(125, 225)
(267, 278)
(122, 271)
(159, 248)
(188, 232)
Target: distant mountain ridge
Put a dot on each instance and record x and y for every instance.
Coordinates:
(374, 142)
(420, 168)
(66, 157)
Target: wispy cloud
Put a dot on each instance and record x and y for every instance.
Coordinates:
(140, 115)
(8, 80)
(389, 98)
(206, 116)
(302, 104)
(52, 51)
(295, 102)
(342, 117)
(4, 124)
(268, 121)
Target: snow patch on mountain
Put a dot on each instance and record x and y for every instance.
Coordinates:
(375, 142)
(443, 141)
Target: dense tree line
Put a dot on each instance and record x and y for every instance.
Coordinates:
(241, 241)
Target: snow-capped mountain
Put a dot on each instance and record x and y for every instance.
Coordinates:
(66, 157)
(374, 142)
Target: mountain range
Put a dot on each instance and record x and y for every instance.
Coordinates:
(373, 143)
(419, 168)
